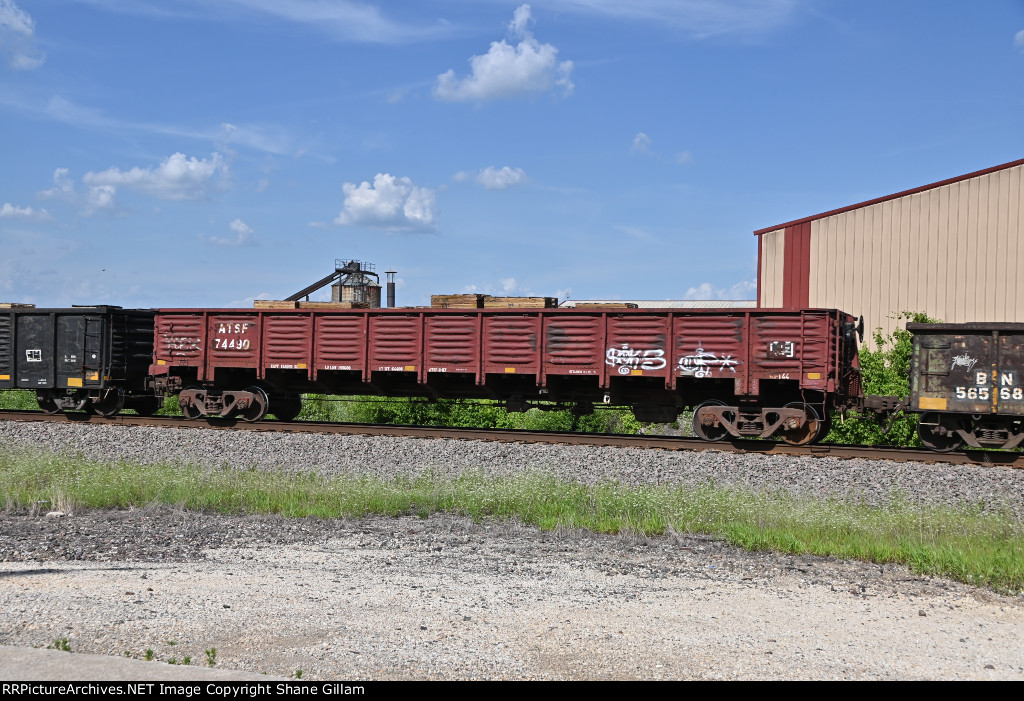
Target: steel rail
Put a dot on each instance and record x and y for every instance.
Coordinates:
(645, 442)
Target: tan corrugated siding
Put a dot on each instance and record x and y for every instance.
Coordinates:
(952, 252)
(773, 249)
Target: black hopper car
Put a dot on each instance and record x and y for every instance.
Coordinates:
(92, 359)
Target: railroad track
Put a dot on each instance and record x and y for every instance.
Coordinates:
(968, 457)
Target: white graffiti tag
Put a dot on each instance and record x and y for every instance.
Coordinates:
(628, 359)
(700, 363)
(963, 361)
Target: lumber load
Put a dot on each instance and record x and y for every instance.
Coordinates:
(16, 305)
(274, 304)
(456, 301)
(520, 302)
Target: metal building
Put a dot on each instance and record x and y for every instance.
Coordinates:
(953, 249)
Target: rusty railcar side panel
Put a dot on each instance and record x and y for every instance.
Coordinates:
(233, 340)
(287, 341)
(800, 346)
(574, 344)
(511, 343)
(339, 341)
(637, 345)
(973, 368)
(711, 346)
(179, 340)
(395, 342)
(451, 343)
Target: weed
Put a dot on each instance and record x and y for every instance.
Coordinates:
(173, 660)
(150, 654)
(187, 660)
(298, 674)
(60, 644)
(211, 656)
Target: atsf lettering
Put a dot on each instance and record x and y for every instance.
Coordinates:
(230, 336)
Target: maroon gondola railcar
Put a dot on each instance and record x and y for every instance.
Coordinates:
(749, 372)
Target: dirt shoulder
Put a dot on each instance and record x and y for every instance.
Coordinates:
(444, 598)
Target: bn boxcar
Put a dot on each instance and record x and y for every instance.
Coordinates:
(747, 372)
(85, 358)
(967, 380)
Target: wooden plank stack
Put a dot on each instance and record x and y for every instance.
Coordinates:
(520, 302)
(457, 301)
(278, 304)
(16, 305)
(274, 304)
(474, 301)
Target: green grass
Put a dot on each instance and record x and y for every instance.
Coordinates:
(970, 544)
(18, 400)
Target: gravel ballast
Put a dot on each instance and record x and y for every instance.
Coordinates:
(874, 482)
(446, 598)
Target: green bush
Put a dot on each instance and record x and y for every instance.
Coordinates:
(462, 413)
(886, 372)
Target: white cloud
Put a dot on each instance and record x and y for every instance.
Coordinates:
(63, 186)
(101, 197)
(390, 203)
(501, 178)
(17, 35)
(509, 71)
(243, 235)
(641, 144)
(176, 178)
(10, 211)
(741, 290)
(1018, 40)
(14, 19)
(504, 287)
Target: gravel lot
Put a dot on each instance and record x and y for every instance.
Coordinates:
(444, 598)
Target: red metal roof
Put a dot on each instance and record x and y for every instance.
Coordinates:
(915, 190)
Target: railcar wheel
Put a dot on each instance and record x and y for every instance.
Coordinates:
(709, 431)
(147, 406)
(937, 431)
(802, 435)
(46, 402)
(110, 403)
(190, 411)
(286, 408)
(258, 409)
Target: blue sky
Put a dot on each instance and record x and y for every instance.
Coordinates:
(208, 152)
